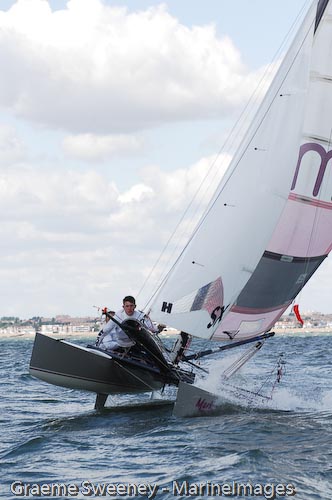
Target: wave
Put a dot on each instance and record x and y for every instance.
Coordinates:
(28, 446)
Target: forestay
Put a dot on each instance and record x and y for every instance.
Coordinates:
(269, 225)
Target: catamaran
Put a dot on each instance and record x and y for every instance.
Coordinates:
(263, 235)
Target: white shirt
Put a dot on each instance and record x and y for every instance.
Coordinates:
(113, 336)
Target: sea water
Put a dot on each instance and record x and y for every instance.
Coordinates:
(55, 445)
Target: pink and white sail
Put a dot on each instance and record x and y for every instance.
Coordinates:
(269, 226)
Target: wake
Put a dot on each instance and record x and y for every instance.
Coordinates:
(248, 389)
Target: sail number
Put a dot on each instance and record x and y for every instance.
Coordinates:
(216, 316)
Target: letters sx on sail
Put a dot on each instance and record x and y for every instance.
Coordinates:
(269, 224)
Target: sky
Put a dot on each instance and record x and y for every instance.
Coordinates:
(112, 115)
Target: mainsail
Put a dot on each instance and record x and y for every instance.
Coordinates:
(269, 225)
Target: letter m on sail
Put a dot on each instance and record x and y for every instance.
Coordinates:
(324, 156)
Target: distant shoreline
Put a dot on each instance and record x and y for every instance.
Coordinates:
(67, 335)
(299, 331)
(168, 333)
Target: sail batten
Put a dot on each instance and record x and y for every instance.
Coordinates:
(321, 78)
(316, 138)
(263, 251)
(322, 4)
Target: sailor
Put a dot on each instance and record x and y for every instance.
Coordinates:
(112, 337)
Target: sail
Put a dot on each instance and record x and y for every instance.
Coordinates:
(256, 247)
(302, 238)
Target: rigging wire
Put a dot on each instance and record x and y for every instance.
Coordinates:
(245, 149)
(278, 369)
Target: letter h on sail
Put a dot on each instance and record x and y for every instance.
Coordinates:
(167, 307)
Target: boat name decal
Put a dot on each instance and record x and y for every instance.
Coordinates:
(204, 405)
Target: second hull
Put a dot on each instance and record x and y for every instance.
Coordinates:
(68, 365)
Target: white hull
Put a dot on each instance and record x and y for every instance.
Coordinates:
(192, 401)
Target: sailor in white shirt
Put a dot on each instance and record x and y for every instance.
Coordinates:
(113, 337)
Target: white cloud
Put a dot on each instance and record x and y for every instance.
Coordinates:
(139, 192)
(12, 148)
(73, 235)
(91, 148)
(103, 74)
